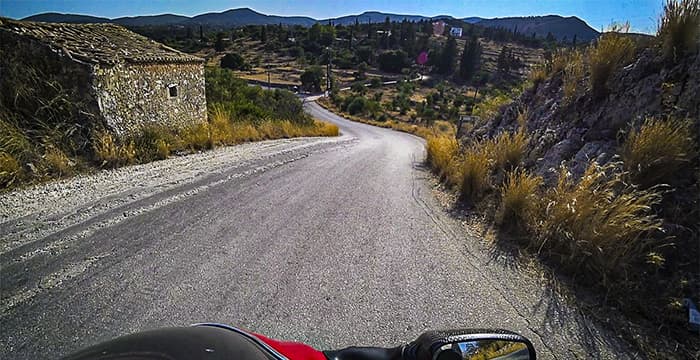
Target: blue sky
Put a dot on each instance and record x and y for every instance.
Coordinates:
(642, 14)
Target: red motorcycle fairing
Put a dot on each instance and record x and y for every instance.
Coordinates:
(292, 350)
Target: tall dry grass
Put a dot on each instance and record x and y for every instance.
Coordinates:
(656, 151)
(10, 169)
(475, 171)
(506, 150)
(612, 50)
(56, 162)
(599, 224)
(470, 170)
(519, 196)
(109, 153)
(444, 158)
(679, 28)
(574, 70)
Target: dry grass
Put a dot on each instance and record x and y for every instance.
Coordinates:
(476, 167)
(523, 115)
(560, 60)
(679, 28)
(162, 149)
(13, 141)
(444, 158)
(538, 73)
(111, 154)
(656, 151)
(56, 162)
(471, 171)
(10, 170)
(519, 194)
(326, 129)
(506, 150)
(599, 224)
(612, 50)
(573, 74)
(488, 108)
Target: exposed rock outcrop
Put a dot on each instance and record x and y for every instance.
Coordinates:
(573, 132)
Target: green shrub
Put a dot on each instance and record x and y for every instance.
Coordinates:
(357, 105)
(488, 107)
(234, 61)
(679, 28)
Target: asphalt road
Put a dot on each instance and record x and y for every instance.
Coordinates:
(333, 242)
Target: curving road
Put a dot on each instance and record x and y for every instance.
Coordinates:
(333, 242)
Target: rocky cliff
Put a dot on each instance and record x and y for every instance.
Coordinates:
(574, 131)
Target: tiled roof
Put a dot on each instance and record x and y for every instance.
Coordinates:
(98, 43)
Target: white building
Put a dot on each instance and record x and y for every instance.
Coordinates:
(456, 32)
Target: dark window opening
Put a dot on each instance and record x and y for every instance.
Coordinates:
(172, 90)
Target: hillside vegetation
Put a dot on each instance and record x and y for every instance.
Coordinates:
(594, 168)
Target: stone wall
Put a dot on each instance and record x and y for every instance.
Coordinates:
(131, 96)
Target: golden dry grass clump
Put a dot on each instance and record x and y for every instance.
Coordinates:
(679, 28)
(111, 154)
(656, 151)
(612, 50)
(475, 170)
(443, 157)
(519, 196)
(600, 222)
(470, 171)
(507, 149)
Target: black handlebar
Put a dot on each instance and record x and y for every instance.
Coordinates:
(365, 353)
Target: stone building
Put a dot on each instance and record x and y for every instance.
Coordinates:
(126, 80)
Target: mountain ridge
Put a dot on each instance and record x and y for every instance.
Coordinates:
(562, 28)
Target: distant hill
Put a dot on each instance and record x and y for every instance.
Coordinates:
(472, 20)
(561, 27)
(380, 17)
(151, 20)
(66, 18)
(245, 16)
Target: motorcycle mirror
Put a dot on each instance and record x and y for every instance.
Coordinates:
(481, 345)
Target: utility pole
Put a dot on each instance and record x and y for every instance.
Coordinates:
(328, 71)
(471, 112)
(269, 83)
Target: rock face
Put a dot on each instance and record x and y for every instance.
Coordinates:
(124, 80)
(573, 132)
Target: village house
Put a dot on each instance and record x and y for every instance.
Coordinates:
(127, 80)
